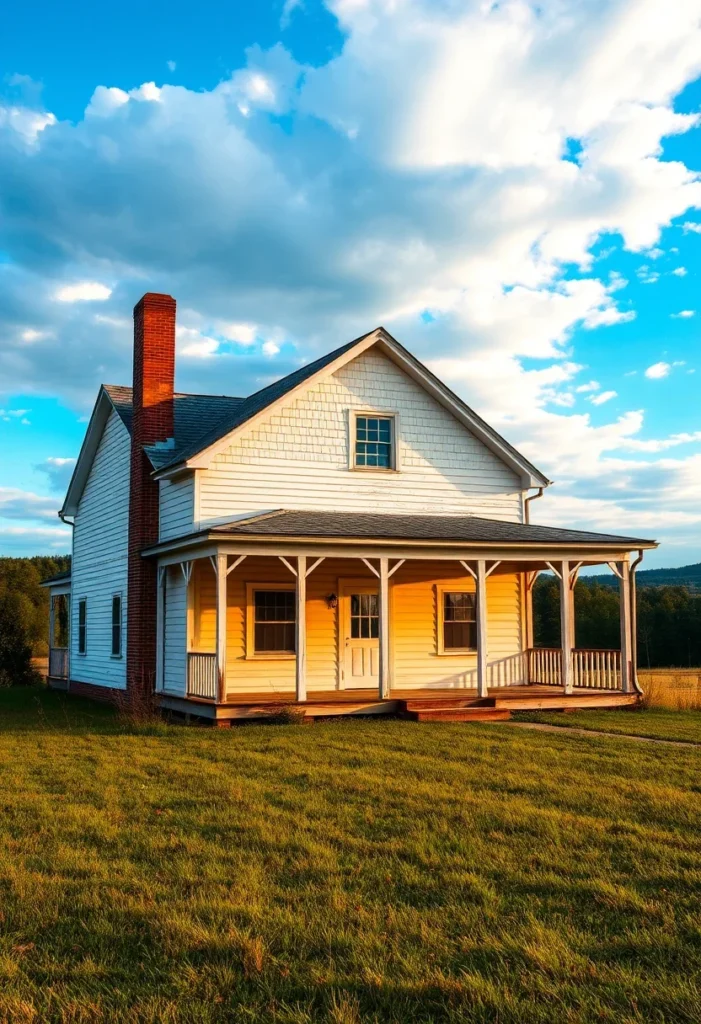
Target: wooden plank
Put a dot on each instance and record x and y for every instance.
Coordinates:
(481, 615)
(301, 630)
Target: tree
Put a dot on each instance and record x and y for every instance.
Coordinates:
(15, 644)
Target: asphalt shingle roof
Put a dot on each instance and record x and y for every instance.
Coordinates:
(461, 529)
(200, 420)
(195, 416)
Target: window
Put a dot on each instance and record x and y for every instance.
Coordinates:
(82, 625)
(274, 621)
(117, 626)
(457, 627)
(365, 617)
(374, 442)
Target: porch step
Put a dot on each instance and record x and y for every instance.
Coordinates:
(419, 703)
(556, 702)
(458, 714)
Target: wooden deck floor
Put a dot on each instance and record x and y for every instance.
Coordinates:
(433, 704)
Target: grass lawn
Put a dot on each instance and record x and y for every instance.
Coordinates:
(348, 872)
(656, 723)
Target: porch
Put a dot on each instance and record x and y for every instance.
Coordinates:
(358, 629)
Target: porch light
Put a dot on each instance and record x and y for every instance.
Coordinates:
(332, 601)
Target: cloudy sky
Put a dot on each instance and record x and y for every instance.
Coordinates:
(511, 188)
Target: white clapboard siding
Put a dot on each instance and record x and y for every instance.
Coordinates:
(99, 567)
(176, 507)
(175, 632)
(413, 623)
(298, 456)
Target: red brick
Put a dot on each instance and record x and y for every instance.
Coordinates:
(152, 421)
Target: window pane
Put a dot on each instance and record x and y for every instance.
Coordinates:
(274, 621)
(116, 625)
(373, 442)
(459, 636)
(459, 607)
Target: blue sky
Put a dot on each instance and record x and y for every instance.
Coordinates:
(511, 189)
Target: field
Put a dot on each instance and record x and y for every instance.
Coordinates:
(346, 872)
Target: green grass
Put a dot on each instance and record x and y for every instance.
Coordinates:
(655, 723)
(348, 872)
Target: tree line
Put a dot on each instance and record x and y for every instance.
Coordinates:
(668, 621)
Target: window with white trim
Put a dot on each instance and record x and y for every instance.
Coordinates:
(374, 441)
(272, 618)
(83, 625)
(457, 621)
(116, 625)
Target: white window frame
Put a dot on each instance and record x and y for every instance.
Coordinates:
(82, 601)
(451, 652)
(251, 653)
(393, 417)
(117, 594)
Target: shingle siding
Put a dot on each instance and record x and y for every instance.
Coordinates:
(298, 456)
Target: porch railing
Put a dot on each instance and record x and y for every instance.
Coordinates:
(58, 662)
(598, 669)
(202, 675)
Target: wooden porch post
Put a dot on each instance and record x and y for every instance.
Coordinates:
(481, 622)
(301, 629)
(566, 626)
(222, 577)
(626, 620)
(385, 681)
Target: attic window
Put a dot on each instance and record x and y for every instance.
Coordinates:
(375, 446)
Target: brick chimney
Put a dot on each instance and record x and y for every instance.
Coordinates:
(152, 421)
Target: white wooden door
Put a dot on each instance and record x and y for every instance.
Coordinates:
(359, 634)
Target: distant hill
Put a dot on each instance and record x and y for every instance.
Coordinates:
(685, 576)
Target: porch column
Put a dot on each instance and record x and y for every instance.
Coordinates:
(626, 620)
(385, 681)
(221, 561)
(566, 626)
(301, 629)
(481, 623)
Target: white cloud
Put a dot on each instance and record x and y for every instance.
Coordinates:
(9, 414)
(270, 348)
(171, 65)
(419, 168)
(593, 385)
(605, 396)
(59, 471)
(683, 314)
(693, 226)
(85, 291)
(18, 504)
(658, 370)
(30, 335)
(288, 8)
(680, 272)
(190, 342)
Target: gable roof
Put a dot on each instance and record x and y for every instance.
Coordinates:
(201, 451)
(205, 424)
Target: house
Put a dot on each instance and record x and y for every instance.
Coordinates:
(352, 538)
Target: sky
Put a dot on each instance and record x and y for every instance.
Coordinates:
(513, 189)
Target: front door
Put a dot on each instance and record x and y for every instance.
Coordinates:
(359, 634)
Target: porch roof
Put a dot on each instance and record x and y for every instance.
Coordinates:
(351, 526)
